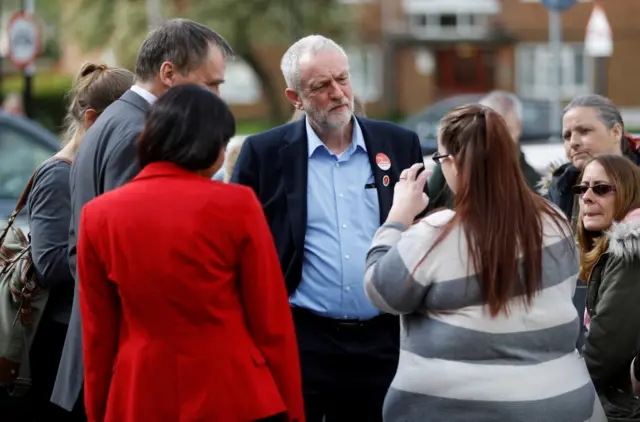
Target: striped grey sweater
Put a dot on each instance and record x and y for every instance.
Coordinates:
(459, 364)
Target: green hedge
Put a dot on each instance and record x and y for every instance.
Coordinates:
(49, 102)
(49, 97)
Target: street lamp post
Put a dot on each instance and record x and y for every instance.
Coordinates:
(29, 7)
(154, 13)
(556, 7)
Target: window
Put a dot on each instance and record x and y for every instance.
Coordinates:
(539, 1)
(20, 155)
(451, 6)
(366, 72)
(448, 21)
(533, 68)
(241, 85)
(448, 25)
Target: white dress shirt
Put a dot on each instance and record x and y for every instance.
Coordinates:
(149, 97)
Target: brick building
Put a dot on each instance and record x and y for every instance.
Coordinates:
(412, 52)
(409, 53)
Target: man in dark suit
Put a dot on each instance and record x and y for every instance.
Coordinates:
(326, 185)
(179, 51)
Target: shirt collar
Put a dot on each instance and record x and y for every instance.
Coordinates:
(314, 142)
(149, 97)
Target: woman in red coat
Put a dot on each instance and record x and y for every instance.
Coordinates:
(185, 316)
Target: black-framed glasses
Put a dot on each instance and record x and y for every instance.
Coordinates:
(439, 158)
(600, 189)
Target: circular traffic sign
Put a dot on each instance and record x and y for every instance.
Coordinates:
(558, 5)
(23, 33)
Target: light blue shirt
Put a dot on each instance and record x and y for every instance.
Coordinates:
(342, 217)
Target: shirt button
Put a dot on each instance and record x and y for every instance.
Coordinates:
(337, 164)
(341, 195)
(348, 289)
(344, 226)
(347, 256)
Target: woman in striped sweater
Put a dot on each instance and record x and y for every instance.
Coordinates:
(485, 293)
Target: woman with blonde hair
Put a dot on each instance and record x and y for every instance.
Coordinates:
(96, 86)
(609, 241)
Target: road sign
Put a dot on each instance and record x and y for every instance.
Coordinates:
(23, 33)
(558, 5)
(599, 39)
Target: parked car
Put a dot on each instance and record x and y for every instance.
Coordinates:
(24, 145)
(538, 143)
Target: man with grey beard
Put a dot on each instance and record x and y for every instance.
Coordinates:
(326, 184)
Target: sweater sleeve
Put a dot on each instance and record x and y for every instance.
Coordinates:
(391, 262)
(49, 210)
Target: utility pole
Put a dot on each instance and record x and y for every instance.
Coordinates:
(28, 72)
(1, 55)
(556, 7)
(154, 13)
(555, 79)
(599, 45)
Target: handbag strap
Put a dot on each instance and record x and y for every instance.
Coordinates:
(22, 201)
(22, 382)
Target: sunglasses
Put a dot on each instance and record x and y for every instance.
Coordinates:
(439, 158)
(599, 190)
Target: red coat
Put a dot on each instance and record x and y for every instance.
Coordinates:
(185, 316)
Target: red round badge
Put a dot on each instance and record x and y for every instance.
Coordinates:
(385, 180)
(383, 162)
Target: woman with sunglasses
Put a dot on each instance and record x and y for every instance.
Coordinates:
(609, 241)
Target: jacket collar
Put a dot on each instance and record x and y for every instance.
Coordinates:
(624, 237)
(314, 142)
(294, 160)
(135, 100)
(165, 169)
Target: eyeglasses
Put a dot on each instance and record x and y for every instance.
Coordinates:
(439, 158)
(599, 190)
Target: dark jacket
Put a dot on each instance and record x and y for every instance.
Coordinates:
(106, 159)
(441, 196)
(49, 211)
(614, 331)
(274, 164)
(556, 186)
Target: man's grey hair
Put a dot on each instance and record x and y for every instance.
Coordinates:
(304, 46)
(503, 103)
(183, 42)
(608, 113)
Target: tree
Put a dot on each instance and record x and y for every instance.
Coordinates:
(246, 24)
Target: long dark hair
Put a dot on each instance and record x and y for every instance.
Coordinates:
(500, 215)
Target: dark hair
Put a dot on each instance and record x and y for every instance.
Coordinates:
(500, 215)
(188, 126)
(183, 42)
(625, 176)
